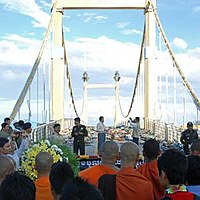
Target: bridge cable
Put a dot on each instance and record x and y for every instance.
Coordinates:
(184, 80)
(137, 78)
(35, 66)
(68, 74)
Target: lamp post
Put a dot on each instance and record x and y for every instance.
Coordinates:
(116, 77)
(84, 114)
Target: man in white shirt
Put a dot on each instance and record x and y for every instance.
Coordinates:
(136, 129)
(101, 129)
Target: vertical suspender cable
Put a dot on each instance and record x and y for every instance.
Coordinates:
(50, 77)
(35, 66)
(37, 94)
(29, 105)
(167, 98)
(44, 91)
(174, 73)
(184, 107)
(184, 80)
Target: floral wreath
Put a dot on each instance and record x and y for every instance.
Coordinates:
(58, 152)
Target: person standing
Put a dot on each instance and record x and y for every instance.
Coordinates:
(101, 132)
(136, 129)
(79, 131)
(56, 136)
(188, 137)
(8, 121)
(4, 130)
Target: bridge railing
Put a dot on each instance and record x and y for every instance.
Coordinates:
(160, 130)
(163, 131)
(44, 131)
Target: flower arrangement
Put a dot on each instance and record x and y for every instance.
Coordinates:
(58, 152)
(119, 133)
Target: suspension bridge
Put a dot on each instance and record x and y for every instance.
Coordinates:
(150, 91)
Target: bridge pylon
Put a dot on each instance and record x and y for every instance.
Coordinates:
(57, 71)
(150, 76)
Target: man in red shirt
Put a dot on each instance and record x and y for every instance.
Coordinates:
(172, 167)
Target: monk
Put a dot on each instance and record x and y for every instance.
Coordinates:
(109, 153)
(6, 167)
(195, 148)
(151, 152)
(129, 184)
(43, 163)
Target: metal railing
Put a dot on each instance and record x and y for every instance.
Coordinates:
(163, 131)
(159, 130)
(44, 131)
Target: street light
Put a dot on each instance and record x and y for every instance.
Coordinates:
(85, 77)
(117, 76)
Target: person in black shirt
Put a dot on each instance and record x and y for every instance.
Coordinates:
(79, 131)
(188, 137)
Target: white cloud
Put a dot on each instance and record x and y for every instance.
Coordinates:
(92, 17)
(196, 9)
(103, 54)
(29, 8)
(131, 32)
(126, 80)
(101, 18)
(9, 75)
(122, 25)
(18, 50)
(180, 43)
(66, 29)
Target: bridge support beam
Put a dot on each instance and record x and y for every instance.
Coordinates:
(150, 77)
(57, 71)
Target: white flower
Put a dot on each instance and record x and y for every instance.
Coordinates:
(47, 142)
(66, 158)
(61, 159)
(54, 147)
(59, 151)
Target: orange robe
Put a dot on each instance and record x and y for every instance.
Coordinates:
(150, 171)
(130, 184)
(92, 174)
(43, 189)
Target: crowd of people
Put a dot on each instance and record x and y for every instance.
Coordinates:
(164, 175)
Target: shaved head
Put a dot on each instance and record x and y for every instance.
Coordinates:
(129, 151)
(109, 149)
(43, 162)
(6, 167)
(195, 147)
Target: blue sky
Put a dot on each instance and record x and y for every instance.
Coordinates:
(111, 40)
